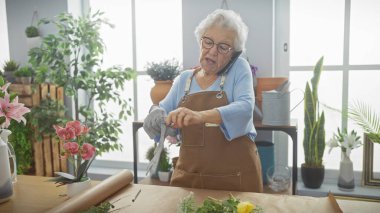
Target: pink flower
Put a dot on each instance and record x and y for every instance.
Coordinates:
(171, 139)
(75, 125)
(12, 110)
(5, 87)
(71, 147)
(85, 130)
(88, 151)
(64, 133)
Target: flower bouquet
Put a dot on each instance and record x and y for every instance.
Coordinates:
(345, 141)
(79, 153)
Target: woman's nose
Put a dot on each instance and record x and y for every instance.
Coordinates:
(214, 50)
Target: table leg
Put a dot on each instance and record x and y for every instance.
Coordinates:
(136, 126)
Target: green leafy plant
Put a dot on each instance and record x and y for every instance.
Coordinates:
(230, 205)
(162, 71)
(314, 132)
(367, 119)
(47, 114)
(24, 71)
(164, 163)
(31, 32)
(20, 140)
(72, 58)
(10, 65)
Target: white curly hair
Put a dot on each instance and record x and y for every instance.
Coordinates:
(227, 19)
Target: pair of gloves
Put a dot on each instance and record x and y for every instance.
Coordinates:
(155, 127)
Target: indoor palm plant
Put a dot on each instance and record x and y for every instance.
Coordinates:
(163, 74)
(365, 117)
(312, 170)
(72, 59)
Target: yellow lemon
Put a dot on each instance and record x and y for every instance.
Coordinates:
(245, 207)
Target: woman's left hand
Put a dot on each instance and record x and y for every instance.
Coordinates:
(183, 117)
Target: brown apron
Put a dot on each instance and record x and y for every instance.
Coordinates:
(207, 159)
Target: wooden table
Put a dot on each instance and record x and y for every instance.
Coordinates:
(35, 194)
(291, 130)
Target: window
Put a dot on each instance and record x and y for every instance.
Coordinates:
(158, 37)
(345, 32)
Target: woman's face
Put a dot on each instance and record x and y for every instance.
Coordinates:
(211, 59)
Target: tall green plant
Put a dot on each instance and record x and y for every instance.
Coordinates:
(314, 132)
(72, 58)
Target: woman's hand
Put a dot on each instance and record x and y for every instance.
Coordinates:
(184, 117)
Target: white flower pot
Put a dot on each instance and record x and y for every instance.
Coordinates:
(33, 42)
(346, 180)
(164, 176)
(78, 187)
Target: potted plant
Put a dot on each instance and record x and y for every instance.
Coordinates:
(163, 74)
(33, 36)
(164, 169)
(72, 58)
(347, 142)
(312, 170)
(24, 75)
(9, 68)
(164, 156)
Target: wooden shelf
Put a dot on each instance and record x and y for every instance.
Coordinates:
(46, 153)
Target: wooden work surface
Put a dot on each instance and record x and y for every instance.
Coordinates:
(35, 194)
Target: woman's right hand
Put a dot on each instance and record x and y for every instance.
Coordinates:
(152, 123)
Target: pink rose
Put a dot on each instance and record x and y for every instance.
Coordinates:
(85, 130)
(71, 147)
(88, 151)
(64, 133)
(75, 126)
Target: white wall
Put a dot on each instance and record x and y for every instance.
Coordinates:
(257, 14)
(19, 15)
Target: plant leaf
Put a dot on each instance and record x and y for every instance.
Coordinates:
(65, 175)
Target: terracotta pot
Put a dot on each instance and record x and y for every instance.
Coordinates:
(160, 90)
(312, 177)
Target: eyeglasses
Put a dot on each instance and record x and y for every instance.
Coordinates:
(208, 43)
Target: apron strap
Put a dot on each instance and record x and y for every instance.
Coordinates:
(189, 80)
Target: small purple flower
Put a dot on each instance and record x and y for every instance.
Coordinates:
(253, 69)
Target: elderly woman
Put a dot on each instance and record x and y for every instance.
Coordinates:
(212, 108)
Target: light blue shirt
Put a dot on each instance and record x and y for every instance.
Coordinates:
(237, 116)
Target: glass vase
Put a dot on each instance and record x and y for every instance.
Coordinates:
(12, 162)
(346, 181)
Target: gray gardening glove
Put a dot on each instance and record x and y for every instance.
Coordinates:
(152, 124)
(153, 164)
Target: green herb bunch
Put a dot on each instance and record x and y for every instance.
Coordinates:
(212, 205)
